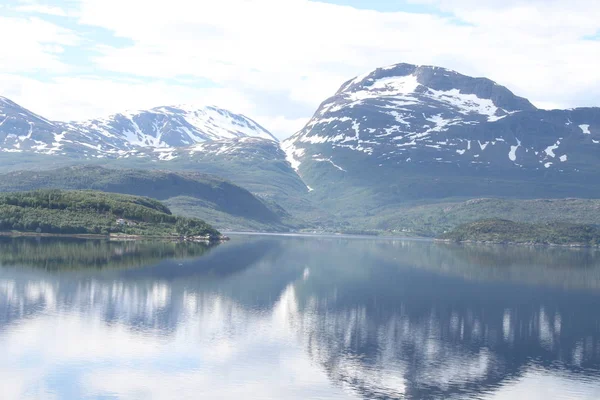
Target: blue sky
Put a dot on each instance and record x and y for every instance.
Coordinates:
(277, 60)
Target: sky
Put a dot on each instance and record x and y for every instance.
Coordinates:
(277, 60)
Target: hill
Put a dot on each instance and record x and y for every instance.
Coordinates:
(431, 219)
(505, 231)
(91, 212)
(187, 193)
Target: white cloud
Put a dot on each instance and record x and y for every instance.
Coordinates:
(211, 351)
(307, 49)
(32, 44)
(280, 125)
(72, 98)
(41, 9)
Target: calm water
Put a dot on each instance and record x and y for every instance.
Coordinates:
(297, 318)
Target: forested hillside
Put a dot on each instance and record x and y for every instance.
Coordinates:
(504, 231)
(90, 212)
(190, 194)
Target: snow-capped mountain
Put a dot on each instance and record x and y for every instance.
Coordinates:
(156, 131)
(428, 123)
(174, 126)
(20, 129)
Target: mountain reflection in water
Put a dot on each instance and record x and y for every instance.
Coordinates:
(275, 317)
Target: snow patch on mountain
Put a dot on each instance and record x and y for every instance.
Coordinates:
(585, 128)
(513, 151)
(292, 154)
(397, 84)
(329, 160)
(465, 103)
(550, 149)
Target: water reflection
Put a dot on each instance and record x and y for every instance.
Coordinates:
(53, 253)
(308, 318)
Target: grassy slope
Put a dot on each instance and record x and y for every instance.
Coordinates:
(504, 231)
(90, 212)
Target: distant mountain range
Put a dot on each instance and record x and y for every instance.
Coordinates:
(397, 136)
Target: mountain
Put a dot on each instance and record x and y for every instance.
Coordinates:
(208, 197)
(150, 133)
(412, 133)
(21, 129)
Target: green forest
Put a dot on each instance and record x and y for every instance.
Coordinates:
(92, 212)
(504, 231)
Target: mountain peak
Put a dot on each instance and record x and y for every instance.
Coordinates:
(405, 114)
(407, 79)
(211, 122)
(176, 126)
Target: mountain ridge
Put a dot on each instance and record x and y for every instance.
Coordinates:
(142, 133)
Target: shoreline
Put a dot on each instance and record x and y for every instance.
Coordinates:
(198, 239)
(529, 244)
(329, 235)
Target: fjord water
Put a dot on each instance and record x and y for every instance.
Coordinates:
(265, 317)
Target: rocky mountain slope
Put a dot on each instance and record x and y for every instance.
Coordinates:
(409, 132)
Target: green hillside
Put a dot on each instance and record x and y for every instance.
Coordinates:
(91, 212)
(433, 219)
(190, 194)
(228, 206)
(504, 231)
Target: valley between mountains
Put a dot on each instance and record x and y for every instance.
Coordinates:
(402, 149)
